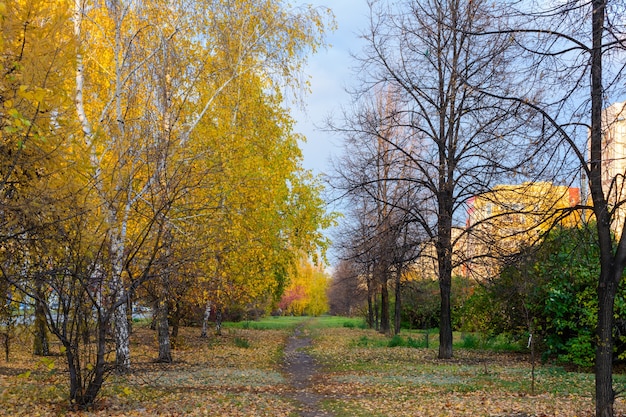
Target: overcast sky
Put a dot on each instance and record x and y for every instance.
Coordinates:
(330, 73)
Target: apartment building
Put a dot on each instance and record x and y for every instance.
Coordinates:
(503, 220)
(614, 161)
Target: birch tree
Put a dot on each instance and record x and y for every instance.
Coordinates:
(121, 45)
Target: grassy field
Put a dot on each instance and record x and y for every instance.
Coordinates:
(359, 374)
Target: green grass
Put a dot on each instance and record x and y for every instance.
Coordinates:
(267, 323)
(328, 322)
(289, 322)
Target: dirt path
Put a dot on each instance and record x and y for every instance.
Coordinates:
(301, 371)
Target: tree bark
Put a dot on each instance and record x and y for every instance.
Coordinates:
(397, 319)
(370, 302)
(165, 350)
(205, 320)
(175, 324)
(218, 322)
(605, 396)
(444, 263)
(41, 346)
(384, 305)
(445, 321)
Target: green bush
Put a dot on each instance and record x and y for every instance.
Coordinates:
(549, 289)
(470, 341)
(416, 343)
(396, 341)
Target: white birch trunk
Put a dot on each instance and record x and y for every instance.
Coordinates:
(121, 328)
(205, 319)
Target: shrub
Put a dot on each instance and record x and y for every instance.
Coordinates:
(396, 341)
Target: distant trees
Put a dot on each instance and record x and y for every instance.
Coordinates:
(379, 238)
(306, 293)
(346, 294)
(454, 141)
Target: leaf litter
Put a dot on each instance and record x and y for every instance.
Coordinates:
(215, 377)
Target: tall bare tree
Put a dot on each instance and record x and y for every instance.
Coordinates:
(369, 174)
(458, 140)
(570, 57)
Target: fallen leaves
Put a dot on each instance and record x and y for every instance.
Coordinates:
(216, 377)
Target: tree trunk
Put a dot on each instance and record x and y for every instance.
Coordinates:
(384, 305)
(41, 346)
(175, 324)
(397, 318)
(611, 272)
(165, 349)
(205, 320)
(370, 304)
(445, 322)
(84, 387)
(218, 322)
(120, 296)
(376, 312)
(605, 395)
(155, 314)
(444, 266)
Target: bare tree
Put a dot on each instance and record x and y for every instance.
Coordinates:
(369, 174)
(346, 294)
(457, 140)
(570, 57)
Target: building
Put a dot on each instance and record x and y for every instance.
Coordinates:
(507, 218)
(614, 161)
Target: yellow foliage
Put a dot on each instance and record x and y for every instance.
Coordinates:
(307, 291)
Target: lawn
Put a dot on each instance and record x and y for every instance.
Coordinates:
(240, 374)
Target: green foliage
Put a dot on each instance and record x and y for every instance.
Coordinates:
(549, 288)
(421, 300)
(420, 309)
(395, 341)
(499, 343)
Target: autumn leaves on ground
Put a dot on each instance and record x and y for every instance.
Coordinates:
(250, 371)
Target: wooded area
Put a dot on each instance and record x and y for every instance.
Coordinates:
(464, 112)
(147, 155)
(149, 161)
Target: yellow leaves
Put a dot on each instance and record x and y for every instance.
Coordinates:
(47, 362)
(24, 375)
(34, 95)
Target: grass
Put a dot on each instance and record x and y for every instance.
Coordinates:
(267, 323)
(362, 373)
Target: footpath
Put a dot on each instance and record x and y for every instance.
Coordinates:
(302, 371)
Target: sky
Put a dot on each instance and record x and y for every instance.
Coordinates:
(330, 72)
